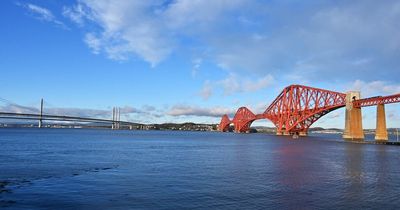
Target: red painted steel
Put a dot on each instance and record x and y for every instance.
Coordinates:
(377, 100)
(295, 109)
(224, 124)
(243, 119)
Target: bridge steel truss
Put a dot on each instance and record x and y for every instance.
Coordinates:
(224, 124)
(295, 109)
(373, 101)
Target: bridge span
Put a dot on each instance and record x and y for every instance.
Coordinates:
(115, 122)
(297, 107)
(62, 118)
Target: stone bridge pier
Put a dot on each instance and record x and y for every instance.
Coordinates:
(353, 129)
(353, 124)
(381, 133)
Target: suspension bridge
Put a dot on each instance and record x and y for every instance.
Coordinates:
(297, 107)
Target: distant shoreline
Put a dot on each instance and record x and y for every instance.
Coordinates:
(164, 126)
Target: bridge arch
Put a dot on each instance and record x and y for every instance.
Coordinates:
(224, 124)
(295, 109)
(243, 119)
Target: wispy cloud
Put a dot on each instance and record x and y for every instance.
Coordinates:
(374, 88)
(207, 90)
(147, 29)
(187, 110)
(196, 66)
(236, 84)
(93, 43)
(324, 41)
(77, 13)
(15, 108)
(43, 14)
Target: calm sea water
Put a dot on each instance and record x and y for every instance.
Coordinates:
(103, 169)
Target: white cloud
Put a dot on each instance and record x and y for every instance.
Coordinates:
(258, 108)
(230, 84)
(93, 42)
(250, 86)
(149, 108)
(326, 40)
(374, 88)
(15, 108)
(359, 39)
(148, 29)
(235, 84)
(198, 15)
(207, 90)
(43, 14)
(128, 28)
(77, 13)
(196, 66)
(186, 110)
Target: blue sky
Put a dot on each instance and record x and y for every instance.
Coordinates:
(192, 60)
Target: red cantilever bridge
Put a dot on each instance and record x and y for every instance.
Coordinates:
(297, 107)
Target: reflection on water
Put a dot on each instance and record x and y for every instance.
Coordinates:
(97, 169)
(354, 159)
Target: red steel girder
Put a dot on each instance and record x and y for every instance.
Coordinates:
(377, 100)
(297, 107)
(243, 119)
(224, 124)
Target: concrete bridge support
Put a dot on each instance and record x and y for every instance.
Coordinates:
(381, 131)
(287, 133)
(303, 133)
(353, 125)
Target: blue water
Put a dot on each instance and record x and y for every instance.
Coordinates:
(104, 169)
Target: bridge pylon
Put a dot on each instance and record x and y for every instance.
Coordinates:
(41, 114)
(381, 133)
(353, 124)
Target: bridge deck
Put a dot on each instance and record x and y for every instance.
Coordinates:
(377, 100)
(23, 116)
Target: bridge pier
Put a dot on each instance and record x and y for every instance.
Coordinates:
(353, 124)
(303, 133)
(381, 133)
(287, 133)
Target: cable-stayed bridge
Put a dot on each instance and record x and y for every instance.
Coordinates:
(115, 122)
